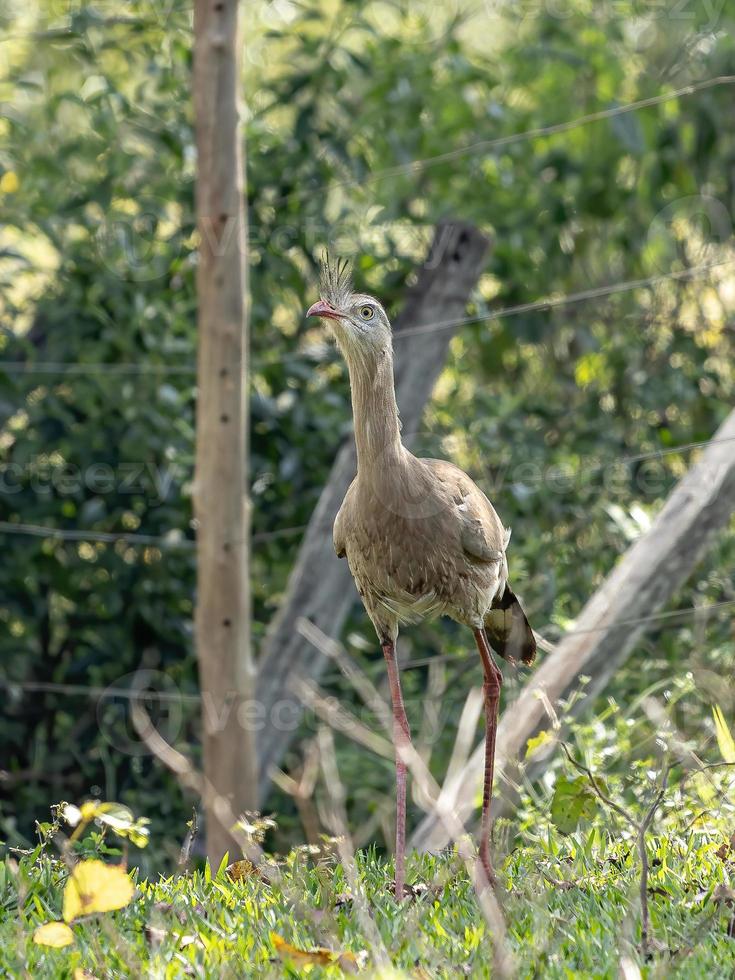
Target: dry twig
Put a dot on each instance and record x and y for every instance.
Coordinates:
(640, 827)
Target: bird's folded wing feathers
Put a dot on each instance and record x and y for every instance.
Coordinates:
(338, 537)
(339, 531)
(474, 541)
(482, 535)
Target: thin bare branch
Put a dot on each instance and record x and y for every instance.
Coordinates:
(428, 793)
(339, 827)
(332, 712)
(643, 854)
(191, 779)
(628, 817)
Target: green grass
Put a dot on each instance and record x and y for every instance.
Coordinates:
(570, 905)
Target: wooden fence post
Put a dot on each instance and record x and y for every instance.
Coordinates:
(226, 671)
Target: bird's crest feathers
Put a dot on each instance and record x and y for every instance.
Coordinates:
(335, 281)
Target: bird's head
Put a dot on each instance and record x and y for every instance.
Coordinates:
(359, 322)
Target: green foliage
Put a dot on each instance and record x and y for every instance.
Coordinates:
(570, 905)
(725, 741)
(574, 802)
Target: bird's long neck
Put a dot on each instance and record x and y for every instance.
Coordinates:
(377, 427)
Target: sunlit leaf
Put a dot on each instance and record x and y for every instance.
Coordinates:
(56, 934)
(319, 956)
(120, 819)
(9, 182)
(88, 810)
(542, 738)
(574, 802)
(725, 740)
(96, 887)
(72, 814)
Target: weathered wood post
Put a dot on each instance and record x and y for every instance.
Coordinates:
(226, 670)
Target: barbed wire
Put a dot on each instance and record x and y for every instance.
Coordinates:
(97, 367)
(555, 470)
(539, 305)
(568, 299)
(691, 612)
(419, 165)
(134, 694)
(173, 539)
(79, 368)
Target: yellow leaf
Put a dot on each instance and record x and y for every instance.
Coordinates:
(589, 368)
(288, 952)
(319, 956)
(9, 182)
(89, 810)
(96, 887)
(537, 741)
(241, 869)
(706, 792)
(724, 736)
(56, 934)
(351, 962)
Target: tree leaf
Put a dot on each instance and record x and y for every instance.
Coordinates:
(94, 886)
(725, 740)
(120, 819)
(573, 802)
(536, 741)
(319, 956)
(55, 934)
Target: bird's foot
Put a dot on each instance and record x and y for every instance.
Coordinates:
(414, 890)
(399, 888)
(484, 873)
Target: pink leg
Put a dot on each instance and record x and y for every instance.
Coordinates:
(491, 689)
(402, 737)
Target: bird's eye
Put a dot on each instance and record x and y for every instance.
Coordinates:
(367, 312)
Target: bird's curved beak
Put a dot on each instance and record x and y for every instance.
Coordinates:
(323, 309)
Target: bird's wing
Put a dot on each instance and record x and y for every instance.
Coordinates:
(481, 532)
(339, 531)
(475, 543)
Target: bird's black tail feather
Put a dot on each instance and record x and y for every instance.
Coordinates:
(508, 631)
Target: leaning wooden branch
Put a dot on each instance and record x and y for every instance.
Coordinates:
(606, 632)
(320, 587)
